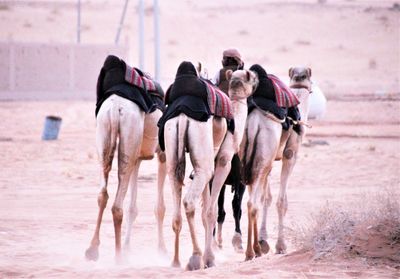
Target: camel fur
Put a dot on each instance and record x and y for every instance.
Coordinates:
(202, 140)
(263, 143)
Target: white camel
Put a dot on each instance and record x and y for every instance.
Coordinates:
(202, 140)
(264, 142)
(242, 84)
(122, 120)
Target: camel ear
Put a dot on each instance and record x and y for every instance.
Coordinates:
(291, 72)
(309, 72)
(247, 75)
(228, 74)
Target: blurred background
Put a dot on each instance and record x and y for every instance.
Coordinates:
(50, 50)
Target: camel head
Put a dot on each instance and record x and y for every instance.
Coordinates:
(300, 77)
(242, 83)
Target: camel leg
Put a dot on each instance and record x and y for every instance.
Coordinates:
(237, 215)
(266, 200)
(222, 169)
(106, 144)
(92, 253)
(221, 215)
(253, 248)
(189, 202)
(172, 162)
(204, 208)
(201, 156)
(133, 211)
(254, 213)
(288, 162)
(130, 140)
(249, 249)
(124, 173)
(160, 206)
(176, 218)
(256, 244)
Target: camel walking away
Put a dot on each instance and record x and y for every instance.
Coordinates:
(242, 84)
(123, 114)
(202, 140)
(231, 60)
(265, 142)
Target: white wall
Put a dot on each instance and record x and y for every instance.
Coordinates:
(31, 71)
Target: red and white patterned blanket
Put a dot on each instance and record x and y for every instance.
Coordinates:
(218, 102)
(284, 95)
(133, 77)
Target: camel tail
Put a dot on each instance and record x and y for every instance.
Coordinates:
(114, 127)
(182, 139)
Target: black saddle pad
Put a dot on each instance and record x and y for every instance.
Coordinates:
(111, 80)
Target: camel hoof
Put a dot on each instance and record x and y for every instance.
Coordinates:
(209, 261)
(249, 256)
(264, 246)
(216, 245)
(237, 242)
(280, 247)
(208, 258)
(176, 264)
(92, 253)
(209, 264)
(257, 250)
(220, 242)
(195, 263)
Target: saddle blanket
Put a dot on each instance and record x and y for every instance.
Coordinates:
(133, 77)
(284, 96)
(218, 102)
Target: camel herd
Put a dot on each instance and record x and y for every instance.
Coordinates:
(258, 138)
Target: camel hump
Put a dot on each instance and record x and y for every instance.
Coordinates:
(111, 62)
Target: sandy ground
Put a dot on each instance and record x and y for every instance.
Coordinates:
(48, 197)
(48, 189)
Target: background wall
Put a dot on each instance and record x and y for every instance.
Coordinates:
(34, 71)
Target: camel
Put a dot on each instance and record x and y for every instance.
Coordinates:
(120, 119)
(239, 91)
(202, 140)
(264, 142)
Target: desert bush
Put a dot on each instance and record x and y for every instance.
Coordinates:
(368, 227)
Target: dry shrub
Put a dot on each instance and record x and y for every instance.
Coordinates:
(368, 227)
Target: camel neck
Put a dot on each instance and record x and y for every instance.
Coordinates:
(240, 116)
(304, 97)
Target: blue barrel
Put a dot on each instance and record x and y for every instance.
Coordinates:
(51, 127)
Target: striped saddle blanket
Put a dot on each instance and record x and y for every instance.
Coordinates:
(132, 76)
(284, 96)
(218, 102)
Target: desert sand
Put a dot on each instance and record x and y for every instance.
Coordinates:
(48, 189)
